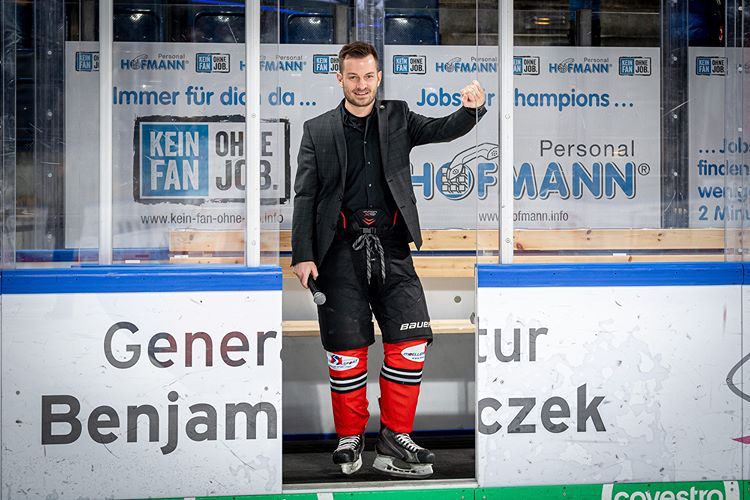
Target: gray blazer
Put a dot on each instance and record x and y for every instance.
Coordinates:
(321, 169)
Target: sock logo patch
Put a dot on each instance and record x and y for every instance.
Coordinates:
(340, 363)
(415, 353)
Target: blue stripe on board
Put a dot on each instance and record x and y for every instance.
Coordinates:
(122, 279)
(91, 255)
(620, 274)
(112, 279)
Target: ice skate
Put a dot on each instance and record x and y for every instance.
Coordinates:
(348, 454)
(398, 455)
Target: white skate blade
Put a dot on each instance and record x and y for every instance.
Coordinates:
(386, 464)
(351, 467)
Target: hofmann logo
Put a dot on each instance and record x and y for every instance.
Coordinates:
(710, 66)
(163, 62)
(87, 61)
(211, 63)
(409, 65)
(588, 66)
(290, 63)
(525, 65)
(455, 180)
(325, 64)
(474, 65)
(635, 66)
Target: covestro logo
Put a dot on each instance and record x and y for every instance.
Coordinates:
(692, 494)
(727, 490)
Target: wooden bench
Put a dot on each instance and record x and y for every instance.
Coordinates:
(453, 254)
(309, 328)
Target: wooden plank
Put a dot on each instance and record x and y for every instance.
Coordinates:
(309, 328)
(285, 241)
(463, 240)
(208, 259)
(619, 239)
(191, 260)
(463, 266)
(189, 240)
(578, 239)
(300, 328)
(439, 266)
(450, 239)
(582, 259)
(426, 267)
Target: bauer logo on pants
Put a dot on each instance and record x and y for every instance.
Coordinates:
(415, 353)
(340, 363)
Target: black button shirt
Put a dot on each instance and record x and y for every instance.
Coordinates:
(365, 181)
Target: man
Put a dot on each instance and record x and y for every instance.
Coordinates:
(354, 216)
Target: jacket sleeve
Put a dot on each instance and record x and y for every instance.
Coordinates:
(426, 130)
(305, 196)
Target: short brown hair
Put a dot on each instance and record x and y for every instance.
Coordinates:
(357, 50)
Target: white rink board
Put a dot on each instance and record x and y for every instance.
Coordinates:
(742, 377)
(54, 344)
(658, 356)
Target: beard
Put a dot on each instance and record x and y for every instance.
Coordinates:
(358, 101)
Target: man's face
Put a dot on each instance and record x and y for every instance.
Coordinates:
(360, 79)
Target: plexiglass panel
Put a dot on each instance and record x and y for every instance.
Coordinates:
(604, 137)
(81, 87)
(733, 149)
(179, 151)
(617, 137)
(38, 52)
(178, 77)
(10, 29)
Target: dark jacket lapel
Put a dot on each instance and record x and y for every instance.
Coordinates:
(339, 139)
(382, 131)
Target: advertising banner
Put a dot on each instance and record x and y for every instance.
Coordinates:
(141, 394)
(586, 140)
(639, 387)
(178, 141)
(719, 149)
(586, 128)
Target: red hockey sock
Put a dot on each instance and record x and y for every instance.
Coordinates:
(399, 383)
(348, 377)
